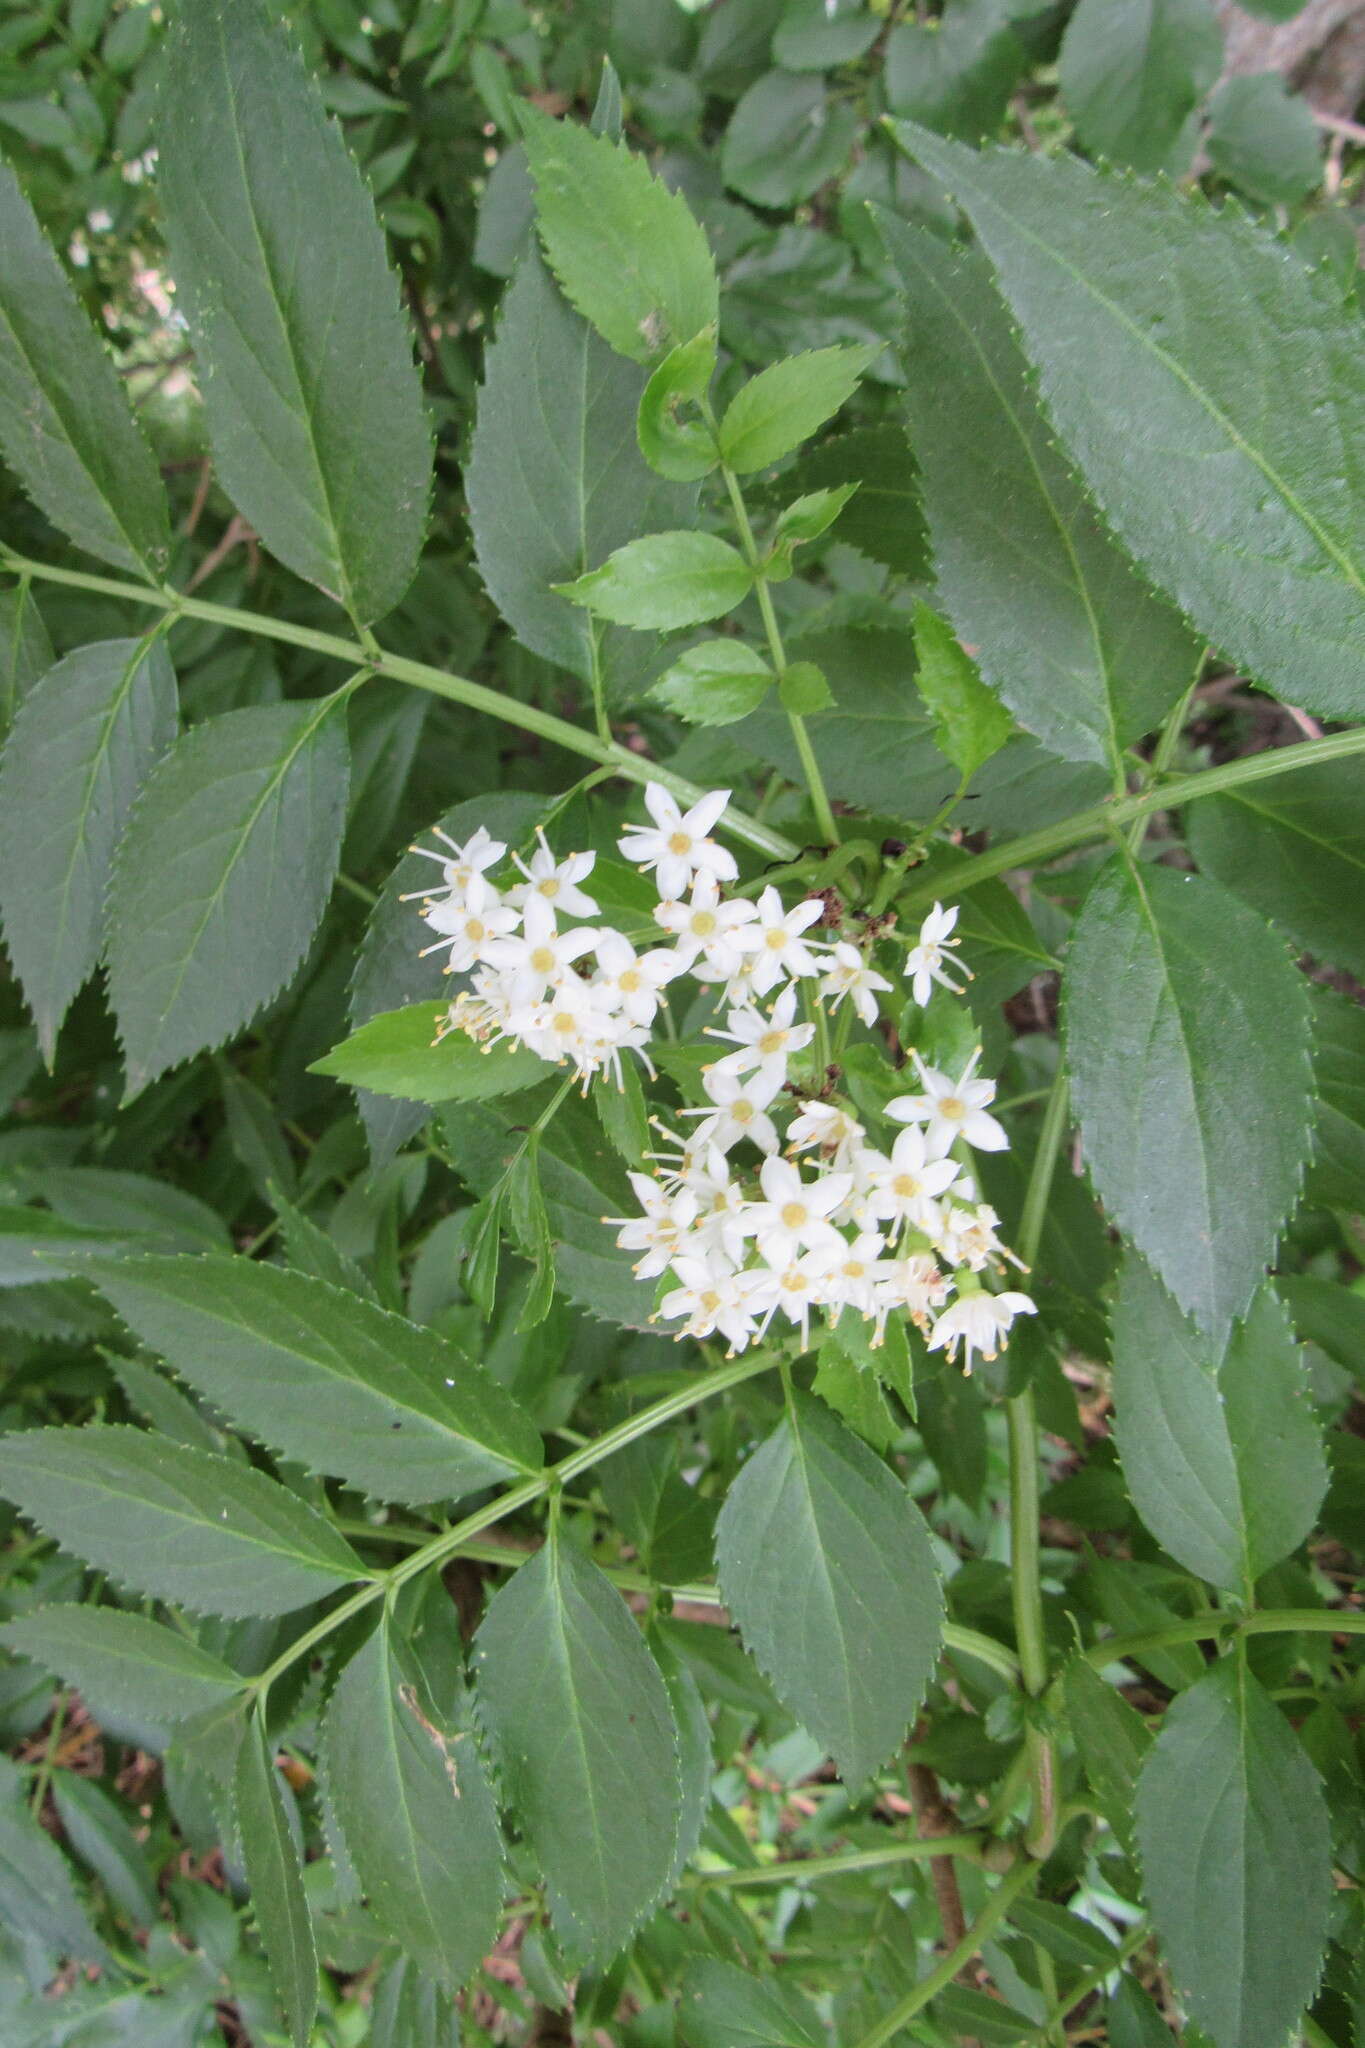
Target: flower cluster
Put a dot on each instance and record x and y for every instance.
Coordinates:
(774, 1202)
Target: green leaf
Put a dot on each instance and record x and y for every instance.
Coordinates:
(1337, 1173)
(970, 723)
(65, 427)
(665, 580)
(817, 35)
(397, 1053)
(1327, 1314)
(313, 402)
(123, 1663)
(716, 683)
(628, 253)
(1062, 625)
(101, 1198)
(1132, 2019)
(786, 138)
(724, 2007)
(181, 1525)
(623, 1113)
(782, 406)
(328, 1380)
(82, 745)
(584, 1743)
(37, 1896)
(221, 877)
(1264, 139)
(102, 1838)
(956, 74)
(25, 650)
(1236, 1856)
(416, 1811)
(36, 1246)
(1295, 851)
(884, 519)
(275, 1881)
(827, 1566)
(1112, 1739)
(1222, 1455)
(1181, 1010)
(409, 2011)
(1122, 297)
(1132, 76)
(555, 480)
(682, 449)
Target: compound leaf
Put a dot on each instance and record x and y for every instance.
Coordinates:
(123, 1662)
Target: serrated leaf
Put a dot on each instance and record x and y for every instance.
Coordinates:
(884, 519)
(1131, 77)
(1236, 1857)
(101, 1198)
(1187, 1034)
(123, 1663)
(329, 1380)
(827, 1566)
(725, 2007)
(181, 1525)
(1222, 1454)
(102, 1838)
(1122, 296)
(83, 742)
(970, 723)
(666, 580)
(397, 1053)
(65, 427)
(956, 74)
(410, 2011)
(1295, 850)
(36, 1246)
(37, 1896)
(716, 683)
(627, 251)
(1084, 654)
(1337, 1172)
(582, 1736)
(221, 877)
(416, 1812)
(1112, 1739)
(313, 402)
(555, 480)
(1263, 138)
(783, 405)
(25, 650)
(275, 1878)
(1132, 2019)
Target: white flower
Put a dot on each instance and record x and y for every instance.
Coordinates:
(832, 1129)
(850, 1273)
(795, 1289)
(541, 955)
(951, 1109)
(706, 928)
(470, 926)
(739, 1111)
(631, 981)
(851, 976)
(913, 1284)
(660, 1232)
(764, 1040)
(795, 1213)
(724, 1218)
(978, 1322)
(968, 1237)
(463, 865)
(926, 963)
(774, 940)
(907, 1184)
(712, 1297)
(567, 1024)
(678, 846)
(556, 881)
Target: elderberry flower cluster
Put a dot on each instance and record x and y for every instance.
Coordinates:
(773, 1203)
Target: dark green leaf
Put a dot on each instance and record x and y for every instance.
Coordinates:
(665, 580)
(1060, 622)
(36, 1246)
(1122, 295)
(884, 519)
(275, 1878)
(101, 1837)
(221, 877)
(398, 1054)
(37, 1896)
(101, 1198)
(329, 1380)
(816, 35)
(970, 723)
(314, 404)
(723, 2007)
(786, 137)
(827, 1567)
(1132, 75)
(1112, 1739)
(416, 1811)
(1133, 2020)
(123, 1663)
(1328, 1314)
(178, 1524)
(956, 74)
(1181, 1009)
(25, 650)
(1237, 1858)
(1264, 139)
(65, 427)
(410, 2011)
(782, 406)
(1337, 1174)
(583, 1738)
(83, 742)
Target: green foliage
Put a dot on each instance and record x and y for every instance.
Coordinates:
(664, 581)
(1132, 76)
(276, 1879)
(782, 407)
(398, 1053)
(969, 723)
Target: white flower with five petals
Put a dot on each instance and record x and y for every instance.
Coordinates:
(951, 1109)
(678, 845)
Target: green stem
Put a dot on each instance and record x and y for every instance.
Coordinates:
(811, 1868)
(42, 1777)
(458, 689)
(1020, 1878)
(1203, 1628)
(1085, 1984)
(1164, 751)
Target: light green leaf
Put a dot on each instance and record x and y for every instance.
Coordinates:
(1182, 1011)
(1132, 75)
(724, 2007)
(1112, 1739)
(1122, 295)
(329, 1380)
(123, 1663)
(1236, 1858)
(827, 1566)
(314, 404)
(218, 1537)
(65, 427)
(583, 1739)
(25, 650)
(970, 723)
(628, 253)
(102, 1838)
(1264, 139)
(416, 1811)
(782, 406)
(1222, 1454)
(1295, 851)
(83, 742)
(37, 1896)
(398, 1054)
(275, 1881)
(665, 580)
(1062, 625)
(682, 449)
(716, 683)
(786, 138)
(555, 479)
(221, 877)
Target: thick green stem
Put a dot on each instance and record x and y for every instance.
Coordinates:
(1019, 1879)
